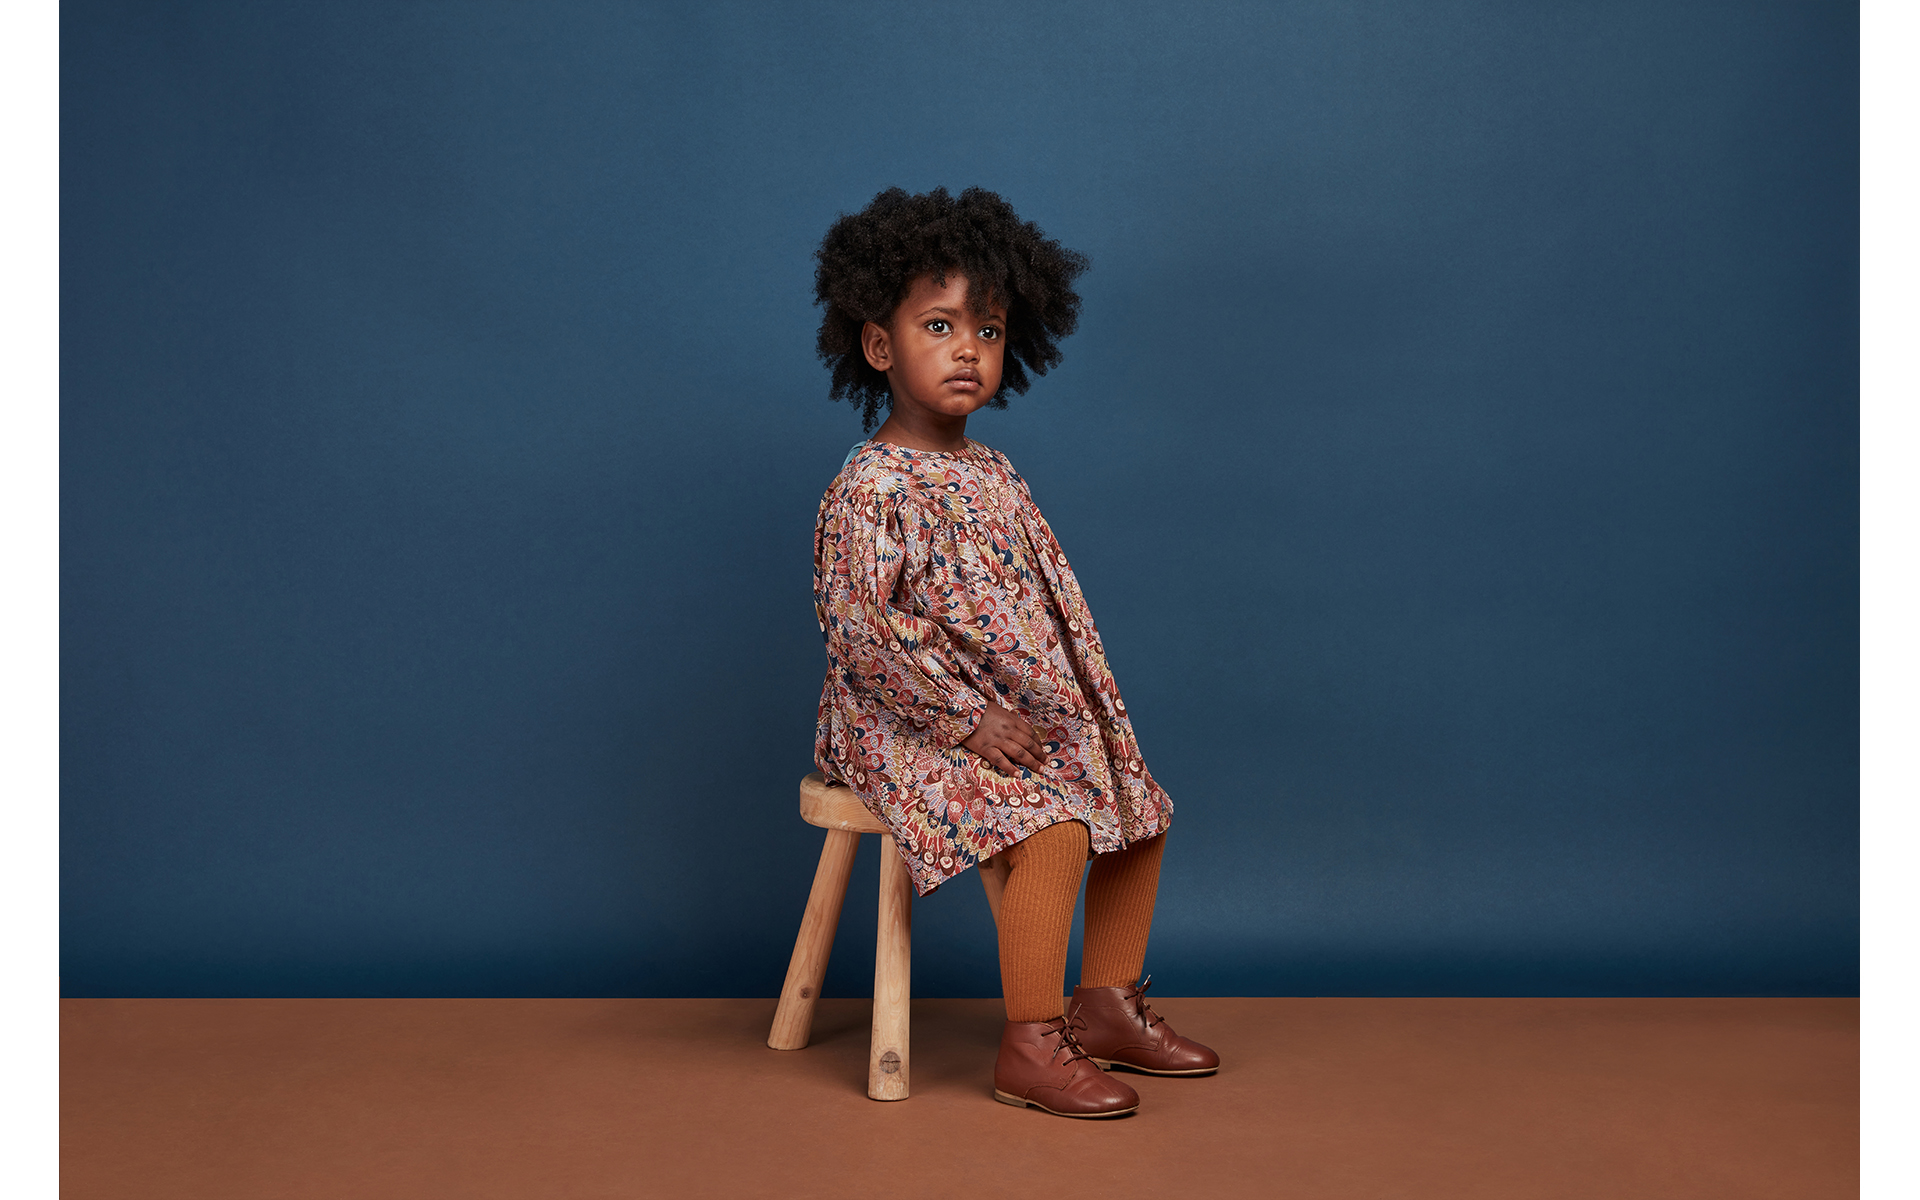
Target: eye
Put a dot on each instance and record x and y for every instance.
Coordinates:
(990, 332)
(937, 326)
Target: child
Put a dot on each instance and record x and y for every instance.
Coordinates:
(968, 700)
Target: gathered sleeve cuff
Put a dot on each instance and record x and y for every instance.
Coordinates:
(880, 647)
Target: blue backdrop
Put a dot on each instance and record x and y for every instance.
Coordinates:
(1458, 453)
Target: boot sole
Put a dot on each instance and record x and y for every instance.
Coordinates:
(1108, 1064)
(1017, 1102)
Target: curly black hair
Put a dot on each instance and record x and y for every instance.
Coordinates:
(869, 260)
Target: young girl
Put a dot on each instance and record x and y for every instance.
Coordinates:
(968, 700)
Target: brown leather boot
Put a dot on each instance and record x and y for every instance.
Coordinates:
(1041, 1064)
(1117, 1028)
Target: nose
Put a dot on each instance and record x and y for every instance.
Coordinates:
(964, 348)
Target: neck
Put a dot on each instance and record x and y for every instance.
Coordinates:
(923, 431)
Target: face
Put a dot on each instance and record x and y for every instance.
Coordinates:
(937, 355)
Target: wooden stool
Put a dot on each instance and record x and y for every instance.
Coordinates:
(838, 811)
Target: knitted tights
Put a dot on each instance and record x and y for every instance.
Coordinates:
(1036, 914)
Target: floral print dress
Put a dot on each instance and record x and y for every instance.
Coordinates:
(937, 584)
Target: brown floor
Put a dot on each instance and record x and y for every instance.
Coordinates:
(1426, 1099)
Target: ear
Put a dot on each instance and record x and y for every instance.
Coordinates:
(877, 344)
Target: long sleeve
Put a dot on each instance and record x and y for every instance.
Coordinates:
(879, 647)
(939, 588)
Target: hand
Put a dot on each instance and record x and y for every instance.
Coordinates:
(1006, 741)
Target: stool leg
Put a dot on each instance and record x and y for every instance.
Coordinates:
(993, 878)
(793, 1020)
(892, 979)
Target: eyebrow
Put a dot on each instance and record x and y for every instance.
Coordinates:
(943, 310)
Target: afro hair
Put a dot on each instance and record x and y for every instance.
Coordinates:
(869, 260)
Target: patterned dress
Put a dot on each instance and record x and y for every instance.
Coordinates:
(938, 583)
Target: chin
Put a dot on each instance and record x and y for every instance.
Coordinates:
(956, 406)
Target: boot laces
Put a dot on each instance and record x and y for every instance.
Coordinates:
(1064, 1027)
(1141, 1009)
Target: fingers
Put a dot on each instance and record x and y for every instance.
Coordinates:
(1033, 750)
(1009, 756)
(1010, 743)
(1039, 743)
(1020, 753)
(1005, 759)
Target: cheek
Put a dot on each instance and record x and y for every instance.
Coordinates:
(918, 363)
(991, 362)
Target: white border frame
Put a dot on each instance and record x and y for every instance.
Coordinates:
(30, 512)
(1889, 647)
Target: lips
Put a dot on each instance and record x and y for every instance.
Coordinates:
(965, 376)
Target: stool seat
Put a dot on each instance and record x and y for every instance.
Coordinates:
(835, 806)
(837, 809)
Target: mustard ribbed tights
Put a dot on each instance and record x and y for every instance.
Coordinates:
(1036, 915)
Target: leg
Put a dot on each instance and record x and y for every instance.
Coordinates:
(1036, 917)
(1040, 1064)
(892, 978)
(793, 1019)
(1117, 1025)
(1120, 892)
